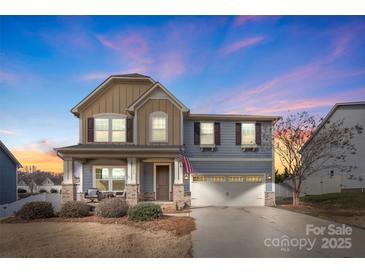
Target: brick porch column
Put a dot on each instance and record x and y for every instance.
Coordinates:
(69, 181)
(131, 186)
(178, 187)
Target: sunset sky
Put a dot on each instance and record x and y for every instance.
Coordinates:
(216, 64)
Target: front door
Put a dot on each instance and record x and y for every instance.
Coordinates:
(162, 183)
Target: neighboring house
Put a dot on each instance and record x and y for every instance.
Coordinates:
(332, 180)
(37, 185)
(133, 132)
(23, 185)
(284, 189)
(8, 175)
(48, 184)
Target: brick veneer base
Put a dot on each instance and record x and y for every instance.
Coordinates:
(269, 198)
(132, 194)
(178, 196)
(68, 192)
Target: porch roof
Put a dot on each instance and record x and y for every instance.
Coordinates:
(118, 150)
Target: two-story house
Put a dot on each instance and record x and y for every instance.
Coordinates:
(133, 132)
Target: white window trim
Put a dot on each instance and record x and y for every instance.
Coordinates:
(200, 141)
(110, 179)
(155, 178)
(159, 114)
(254, 145)
(110, 117)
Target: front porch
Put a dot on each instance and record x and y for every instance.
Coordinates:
(137, 179)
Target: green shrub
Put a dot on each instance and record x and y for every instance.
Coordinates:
(36, 210)
(73, 209)
(42, 191)
(21, 190)
(144, 212)
(112, 208)
(53, 190)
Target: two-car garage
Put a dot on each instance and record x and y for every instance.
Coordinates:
(227, 190)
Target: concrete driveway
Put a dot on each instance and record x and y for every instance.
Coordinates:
(228, 232)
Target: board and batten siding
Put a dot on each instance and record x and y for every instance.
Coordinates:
(228, 147)
(115, 98)
(7, 179)
(174, 121)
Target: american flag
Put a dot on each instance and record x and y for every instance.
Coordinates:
(186, 163)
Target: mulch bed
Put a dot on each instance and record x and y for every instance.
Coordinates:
(177, 225)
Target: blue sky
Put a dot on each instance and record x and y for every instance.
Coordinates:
(214, 64)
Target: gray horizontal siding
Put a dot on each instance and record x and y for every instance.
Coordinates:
(233, 167)
(87, 177)
(228, 147)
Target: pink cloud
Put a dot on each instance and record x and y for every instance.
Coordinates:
(142, 58)
(243, 19)
(172, 64)
(283, 104)
(132, 47)
(244, 43)
(8, 78)
(92, 76)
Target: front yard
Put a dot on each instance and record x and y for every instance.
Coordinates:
(346, 207)
(96, 237)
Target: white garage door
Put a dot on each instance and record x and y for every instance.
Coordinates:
(223, 190)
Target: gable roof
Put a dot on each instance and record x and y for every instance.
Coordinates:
(47, 181)
(329, 115)
(10, 155)
(130, 76)
(145, 96)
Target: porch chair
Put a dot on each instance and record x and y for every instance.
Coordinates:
(93, 194)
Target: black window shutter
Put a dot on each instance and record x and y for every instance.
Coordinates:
(130, 130)
(90, 129)
(238, 134)
(258, 134)
(196, 133)
(217, 134)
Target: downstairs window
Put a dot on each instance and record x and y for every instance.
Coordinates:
(110, 178)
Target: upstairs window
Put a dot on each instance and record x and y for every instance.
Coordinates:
(118, 130)
(248, 134)
(101, 130)
(110, 129)
(207, 133)
(159, 131)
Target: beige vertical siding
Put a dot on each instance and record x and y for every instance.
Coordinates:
(114, 98)
(174, 120)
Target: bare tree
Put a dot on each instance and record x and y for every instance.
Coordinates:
(303, 149)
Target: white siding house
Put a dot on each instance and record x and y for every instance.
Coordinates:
(332, 180)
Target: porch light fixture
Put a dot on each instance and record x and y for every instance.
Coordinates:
(186, 176)
(269, 177)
